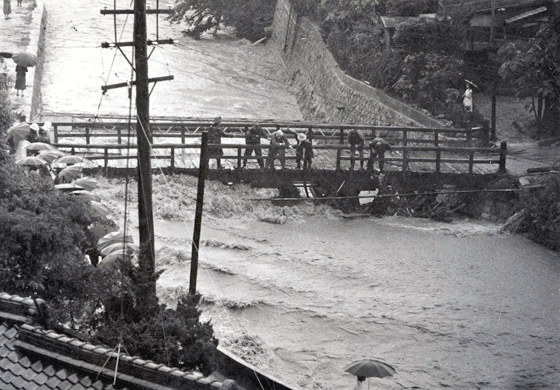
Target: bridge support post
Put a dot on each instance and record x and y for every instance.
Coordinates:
(503, 152)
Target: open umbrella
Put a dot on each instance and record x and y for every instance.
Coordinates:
(113, 238)
(25, 59)
(87, 194)
(39, 146)
(114, 259)
(120, 248)
(17, 132)
(370, 368)
(5, 54)
(89, 183)
(68, 187)
(68, 174)
(100, 209)
(31, 161)
(50, 155)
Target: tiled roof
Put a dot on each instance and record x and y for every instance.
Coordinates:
(486, 5)
(33, 358)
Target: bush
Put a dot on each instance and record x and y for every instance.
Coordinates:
(541, 214)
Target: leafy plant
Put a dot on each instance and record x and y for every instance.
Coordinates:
(533, 67)
(249, 17)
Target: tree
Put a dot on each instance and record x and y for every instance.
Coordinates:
(533, 68)
(249, 17)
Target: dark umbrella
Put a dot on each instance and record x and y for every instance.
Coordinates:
(5, 55)
(370, 368)
(25, 59)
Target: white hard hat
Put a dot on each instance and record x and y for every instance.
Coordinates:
(34, 126)
(279, 133)
(47, 125)
(301, 137)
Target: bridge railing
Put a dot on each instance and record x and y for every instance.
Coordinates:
(404, 156)
(328, 133)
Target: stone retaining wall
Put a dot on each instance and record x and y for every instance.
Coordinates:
(323, 91)
(36, 97)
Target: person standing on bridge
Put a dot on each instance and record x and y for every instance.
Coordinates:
(278, 143)
(215, 134)
(377, 149)
(356, 142)
(253, 137)
(304, 151)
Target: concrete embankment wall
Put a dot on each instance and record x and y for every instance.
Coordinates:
(40, 25)
(323, 90)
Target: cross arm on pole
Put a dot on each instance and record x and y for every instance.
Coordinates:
(105, 88)
(130, 11)
(150, 42)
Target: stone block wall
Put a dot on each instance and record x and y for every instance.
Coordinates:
(36, 97)
(324, 92)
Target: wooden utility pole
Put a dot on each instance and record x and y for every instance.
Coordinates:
(203, 167)
(492, 23)
(143, 129)
(144, 134)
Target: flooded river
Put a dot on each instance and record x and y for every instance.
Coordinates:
(448, 305)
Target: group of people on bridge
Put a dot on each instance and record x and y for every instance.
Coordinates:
(303, 148)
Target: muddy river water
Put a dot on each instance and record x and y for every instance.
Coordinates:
(449, 306)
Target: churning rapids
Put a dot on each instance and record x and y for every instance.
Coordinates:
(449, 306)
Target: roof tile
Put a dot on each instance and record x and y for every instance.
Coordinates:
(25, 362)
(78, 386)
(40, 378)
(18, 382)
(37, 366)
(10, 333)
(6, 364)
(4, 349)
(74, 378)
(7, 377)
(17, 369)
(52, 382)
(86, 381)
(98, 385)
(8, 386)
(62, 374)
(49, 371)
(31, 386)
(64, 385)
(13, 356)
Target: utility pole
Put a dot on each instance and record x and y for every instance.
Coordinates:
(492, 23)
(144, 135)
(143, 129)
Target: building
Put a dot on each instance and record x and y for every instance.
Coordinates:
(34, 358)
(491, 23)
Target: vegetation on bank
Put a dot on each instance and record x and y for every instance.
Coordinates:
(44, 235)
(424, 66)
(538, 215)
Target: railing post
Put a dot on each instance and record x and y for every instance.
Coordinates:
(119, 135)
(471, 162)
(106, 158)
(503, 152)
(438, 151)
(172, 158)
(239, 157)
(339, 151)
(55, 134)
(183, 135)
(405, 151)
(87, 135)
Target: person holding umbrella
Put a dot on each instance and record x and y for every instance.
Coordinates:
(7, 9)
(20, 79)
(23, 61)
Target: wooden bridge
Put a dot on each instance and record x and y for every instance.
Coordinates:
(111, 143)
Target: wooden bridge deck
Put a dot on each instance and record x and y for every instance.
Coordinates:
(176, 145)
